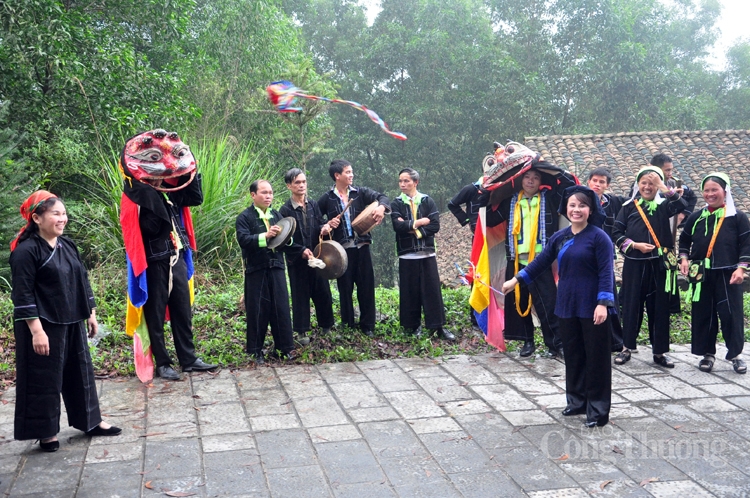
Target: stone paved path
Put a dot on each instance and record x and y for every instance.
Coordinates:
(484, 426)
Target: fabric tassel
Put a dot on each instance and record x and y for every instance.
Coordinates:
(697, 292)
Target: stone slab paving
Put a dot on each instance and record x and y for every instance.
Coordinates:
(462, 426)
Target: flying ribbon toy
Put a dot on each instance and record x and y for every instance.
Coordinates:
(283, 95)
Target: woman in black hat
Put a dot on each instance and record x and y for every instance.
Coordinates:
(585, 298)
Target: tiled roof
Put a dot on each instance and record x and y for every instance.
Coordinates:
(695, 153)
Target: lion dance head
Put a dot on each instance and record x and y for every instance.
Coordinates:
(160, 159)
(505, 159)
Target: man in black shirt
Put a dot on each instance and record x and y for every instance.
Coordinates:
(468, 196)
(306, 283)
(359, 270)
(266, 297)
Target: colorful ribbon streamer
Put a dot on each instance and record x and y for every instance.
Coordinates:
(283, 95)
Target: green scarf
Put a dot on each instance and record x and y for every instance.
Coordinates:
(649, 205)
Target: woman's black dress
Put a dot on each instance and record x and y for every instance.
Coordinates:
(52, 284)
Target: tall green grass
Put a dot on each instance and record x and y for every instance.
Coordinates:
(227, 169)
(95, 219)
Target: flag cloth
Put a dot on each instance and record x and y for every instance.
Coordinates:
(488, 273)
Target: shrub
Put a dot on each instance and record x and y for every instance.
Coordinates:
(227, 169)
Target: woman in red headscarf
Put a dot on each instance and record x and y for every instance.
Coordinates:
(53, 311)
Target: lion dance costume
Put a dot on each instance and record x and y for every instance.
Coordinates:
(160, 183)
(495, 244)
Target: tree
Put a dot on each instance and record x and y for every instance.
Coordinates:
(14, 176)
(614, 65)
(77, 64)
(78, 74)
(734, 96)
(240, 46)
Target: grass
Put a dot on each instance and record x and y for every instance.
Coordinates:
(219, 328)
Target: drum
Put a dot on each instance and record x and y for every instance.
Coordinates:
(288, 226)
(334, 256)
(364, 221)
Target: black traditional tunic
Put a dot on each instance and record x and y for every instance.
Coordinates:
(168, 285)
(305, 282)
(359, 271)
(419, 281)
(52, 284)
(718, 300)
(266, 296)
(644, 277)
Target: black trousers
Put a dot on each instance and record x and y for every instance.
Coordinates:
(544, 297)
(718, 301)
(359, 272)
(267, 301)
(643, 281)
(41, 379)
(306, 284)
(419, 289)
(180, 312)
(588, 368)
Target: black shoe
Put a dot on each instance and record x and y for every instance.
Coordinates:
(98, 431)
(415, 332)
(663, 361)
(278, 355)
(551, 354)
(325, 331)
(596, 423)
(568, 412)
(739, 366)
(368, 332)
(199, 366)
(622, 357)
(445, 334)
(257, 359)
(527, 349)
(706, 364)
(168, 373)
(50, 446)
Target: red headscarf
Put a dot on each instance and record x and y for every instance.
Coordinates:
(27, 209)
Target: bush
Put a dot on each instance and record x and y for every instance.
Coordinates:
(16, 187)
(228, 169)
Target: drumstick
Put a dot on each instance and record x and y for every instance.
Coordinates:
(338, 216)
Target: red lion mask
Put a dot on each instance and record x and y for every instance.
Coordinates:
(158, 158)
